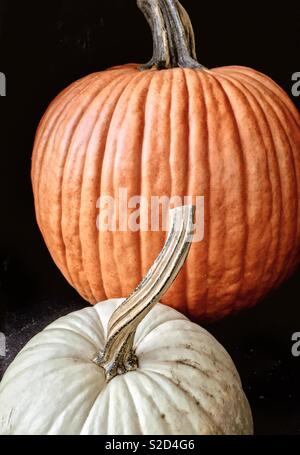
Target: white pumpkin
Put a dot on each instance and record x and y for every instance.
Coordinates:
(182, 381)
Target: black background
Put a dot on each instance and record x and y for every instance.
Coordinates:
(46, 45)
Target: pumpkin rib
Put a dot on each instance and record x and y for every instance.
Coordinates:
(101, 175)
(208, 190)
(272, 190)
(99, 394)
(271, 86)
(273, 270)
(204, 353)
(171, 398)
(60, 258)
(284, 112)
(279, 95)
(111, 281)
(196, 266)
(137, 97)
(252, 100)
(111, 88)
(204, 372)
(188, 396)
(74, 411)
(291, 260)
(178, 148)
(187, 176)
(243, 196)
(155, 161)
(80, 243)
(140, 180)
(104, 82)
(45, 152)
(221, 269)
(223, 247)
(279, 187)
(75, 277)
(68, 329)
(130, 396)
(241, 96)
(214, 244)
(63, 100)
(54, 110)
(154, 405)
(66, 115)
(29, 367)
(196, 400)
(39, 150)
(140, 240)
(167, 153)
(144, 163)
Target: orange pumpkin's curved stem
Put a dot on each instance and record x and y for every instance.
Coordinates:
(118, 356)
(173, 35)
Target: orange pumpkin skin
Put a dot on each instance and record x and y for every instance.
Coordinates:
(229, 134)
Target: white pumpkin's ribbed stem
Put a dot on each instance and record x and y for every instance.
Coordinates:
(118, 356)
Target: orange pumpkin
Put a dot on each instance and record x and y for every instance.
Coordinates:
(173, 128)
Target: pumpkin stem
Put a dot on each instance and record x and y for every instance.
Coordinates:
(173, 35)
(118, 356)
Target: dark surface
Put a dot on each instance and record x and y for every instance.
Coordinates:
(46, 45)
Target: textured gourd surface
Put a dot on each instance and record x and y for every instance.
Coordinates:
(186, 382)
(229, 134)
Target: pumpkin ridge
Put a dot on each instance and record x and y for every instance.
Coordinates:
(141, 87)
(112, 84)
(60, 258)
(75, 278)
(224, 389)
(43, 125)
(178, 127)
(284, 112)
(140, 192)
(242, 96)
(204, 303)
(51, 424)
(71, 330)
(205, 372)
(187, 395)
(130, 396)
(251, 100)
(39, 150)
(105, 83)
(37, 363)
(101, 176)
(163, 422)
(196, 400)
(223, 246)
(150, 375)
(67, 98)
(184, 272)
(243, 182)
(101, 392)
(280, 200)
(272, 87)
(279, 178)
(105, 239)
(223, 365)
(111, 87)
(44, 155)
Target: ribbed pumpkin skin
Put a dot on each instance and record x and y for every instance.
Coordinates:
(229, 134)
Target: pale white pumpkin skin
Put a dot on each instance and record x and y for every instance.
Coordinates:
(186, 383)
